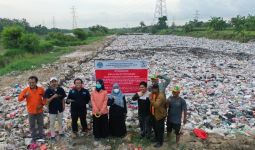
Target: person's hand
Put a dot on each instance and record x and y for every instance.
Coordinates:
(39, 107)
(98, 113)
(54, 96)
(26, 95)
(140, 94)
(69, 101)
(160, 76)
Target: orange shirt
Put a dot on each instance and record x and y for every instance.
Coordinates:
(34, 99)
(99, 102)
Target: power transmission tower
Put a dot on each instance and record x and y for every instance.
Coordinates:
(74, 17)
(160, 10)
(196, 15)
(53, 22)
(173, 23)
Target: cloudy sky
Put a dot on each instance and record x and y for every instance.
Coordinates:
(118, 13)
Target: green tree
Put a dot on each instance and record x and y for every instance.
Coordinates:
(250, 23)
(11, 36)
(217, 24)
(188, 27)
(162, 23)
(99, 30)
(80, 34)
(29, 42)
(238, 23)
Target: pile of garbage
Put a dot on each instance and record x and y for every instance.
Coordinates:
(217, 80)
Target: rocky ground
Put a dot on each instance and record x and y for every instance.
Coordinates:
(217, 78)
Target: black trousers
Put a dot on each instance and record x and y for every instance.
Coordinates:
(145, 125)
(79, 115)
(159, 129)
(100, 126)
(117, 125)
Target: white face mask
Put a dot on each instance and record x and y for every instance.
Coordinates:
(116, 90)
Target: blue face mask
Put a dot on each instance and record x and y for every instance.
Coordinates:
(98, 86)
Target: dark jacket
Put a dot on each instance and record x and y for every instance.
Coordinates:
(56, 105)
(143, 104)
(116, 110)
(80, 99)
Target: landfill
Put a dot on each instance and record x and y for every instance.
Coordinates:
(217, 79)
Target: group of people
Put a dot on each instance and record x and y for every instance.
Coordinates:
(153, 109)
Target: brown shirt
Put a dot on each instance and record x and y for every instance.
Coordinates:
(158, 105)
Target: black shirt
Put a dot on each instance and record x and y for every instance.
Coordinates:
(80, 99)
(116, 110)
(143, 104)
(56, 105)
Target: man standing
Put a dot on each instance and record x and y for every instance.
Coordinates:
(177, 106)
(55, 99)
(79, 98)
(159, 112)
(163, 85)
(143, 109)
(35, 102)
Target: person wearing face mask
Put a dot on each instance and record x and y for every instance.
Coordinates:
(79, 97)
(99, 101)
(117, 113)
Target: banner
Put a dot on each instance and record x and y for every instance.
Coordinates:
(127, 73)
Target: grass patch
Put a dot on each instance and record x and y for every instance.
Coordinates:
(23, 60)
(137, 140)
(113, 142)
(32, 61)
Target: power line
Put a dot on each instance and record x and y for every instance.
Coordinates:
(196, 15)
(74, 17)
(160, 10)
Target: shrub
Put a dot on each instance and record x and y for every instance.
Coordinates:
(80, 34)
(188, 27)
(11, 36)
(29, 42)
(60, 39)
(45, 46)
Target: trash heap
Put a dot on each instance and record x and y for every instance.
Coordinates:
(217, 80)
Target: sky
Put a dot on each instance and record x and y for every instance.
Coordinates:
(119, 13)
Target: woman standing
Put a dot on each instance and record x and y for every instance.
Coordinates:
(100, 111)
(118, 111)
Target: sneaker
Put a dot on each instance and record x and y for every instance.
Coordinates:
(158, 145)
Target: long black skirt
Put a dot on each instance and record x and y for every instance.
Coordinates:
(100, 126)
(117, 126)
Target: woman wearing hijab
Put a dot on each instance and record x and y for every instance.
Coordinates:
(118, 111)
(100, 111)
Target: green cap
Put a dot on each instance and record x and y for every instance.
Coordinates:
(154, 76)
(176, 89)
